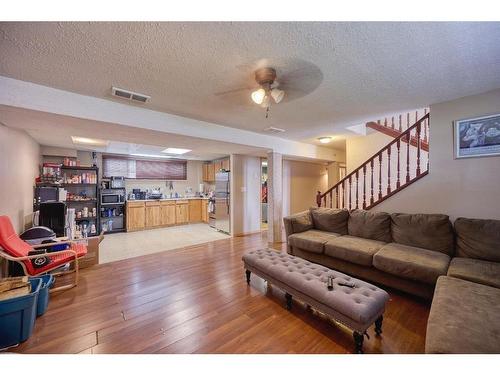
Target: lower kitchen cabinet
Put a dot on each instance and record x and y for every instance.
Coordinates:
(167, 213)
(136, 216)
(194, 210)
(204, 210)
(153, 214)
(181, 212)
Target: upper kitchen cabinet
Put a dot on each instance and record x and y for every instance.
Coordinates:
(211, 168)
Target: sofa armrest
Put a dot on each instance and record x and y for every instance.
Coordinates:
(299, 222)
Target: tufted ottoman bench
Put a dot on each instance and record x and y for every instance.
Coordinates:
(357, 308)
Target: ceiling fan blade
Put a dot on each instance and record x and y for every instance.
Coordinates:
(227, 92)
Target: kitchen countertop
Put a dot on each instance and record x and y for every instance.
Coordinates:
(165, 199)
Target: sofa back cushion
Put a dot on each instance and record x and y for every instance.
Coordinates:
(330, 219)
(427, 231)
(302, 222)
(478, 238)
(370, 225)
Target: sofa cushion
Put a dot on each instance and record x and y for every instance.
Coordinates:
(370, 225)
(475, 270)
(301, 222)
(311, 240)
(478, 239)
(427, 231)
(411, 262)
(353, 249)
(463, 318)
(330, 219)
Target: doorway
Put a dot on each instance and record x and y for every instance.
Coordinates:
(263, 194)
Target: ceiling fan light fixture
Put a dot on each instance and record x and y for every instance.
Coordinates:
(277, 95)
(258, 96)
(325, 139)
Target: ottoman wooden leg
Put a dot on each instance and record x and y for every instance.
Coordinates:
(248, 273)
(378, 325)
(358, 342)
(288, 301)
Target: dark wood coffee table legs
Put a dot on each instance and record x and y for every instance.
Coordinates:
(288, 301)
(378, 325)
(358, 342)
(248, 273)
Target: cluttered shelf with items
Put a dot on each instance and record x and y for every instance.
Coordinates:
(66, 197)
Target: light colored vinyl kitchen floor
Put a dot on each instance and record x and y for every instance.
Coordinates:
(126, 245)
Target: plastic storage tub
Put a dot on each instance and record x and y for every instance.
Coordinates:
(43, 295)
(17, 316)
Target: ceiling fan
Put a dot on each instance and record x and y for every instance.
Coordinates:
(266, 78)
(272, 82)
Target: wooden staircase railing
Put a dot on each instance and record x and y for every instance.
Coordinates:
(372, 182)
(390, 128)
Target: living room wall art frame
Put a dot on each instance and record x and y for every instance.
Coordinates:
(477, 136)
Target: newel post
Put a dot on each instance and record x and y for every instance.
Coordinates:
(318, 198)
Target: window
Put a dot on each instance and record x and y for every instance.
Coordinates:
(143, 168)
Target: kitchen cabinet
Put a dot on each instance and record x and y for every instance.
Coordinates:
(167, 213)
(205, 172)
(211, 172)
(217, 166)
(181, 212)
(194, 210)
(204, 210)
(136, 216)
(153, 214)
(225, 164)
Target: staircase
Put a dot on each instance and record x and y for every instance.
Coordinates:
(397, 165)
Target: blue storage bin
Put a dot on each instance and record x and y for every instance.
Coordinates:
(17, 316)
(43, 294)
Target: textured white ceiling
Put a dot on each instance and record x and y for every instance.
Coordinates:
(365, 69)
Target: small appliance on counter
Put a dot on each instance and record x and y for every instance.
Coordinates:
(155, 193)
(117, 182)
(139, 194)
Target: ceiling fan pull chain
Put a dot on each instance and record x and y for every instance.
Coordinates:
(267, 112)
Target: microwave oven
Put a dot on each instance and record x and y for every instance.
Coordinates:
(112, 197)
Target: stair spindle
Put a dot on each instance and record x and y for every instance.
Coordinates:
(371, 183)
(398, 145)
(385, 122)
(357, 188)
(426, 122)
(408, 137)
(418, 148)
(416, 116)
(337, 194)
(330, 199)
(380, 176)
(407, 120)
(400, 124)
(350, 193)
(364, 186)
(343, 195)
(389, 170)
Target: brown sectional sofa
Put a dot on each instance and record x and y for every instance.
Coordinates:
(415, 253)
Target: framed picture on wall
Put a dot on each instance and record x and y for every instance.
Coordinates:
(477, 137)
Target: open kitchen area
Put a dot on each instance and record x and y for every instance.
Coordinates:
(141, 203)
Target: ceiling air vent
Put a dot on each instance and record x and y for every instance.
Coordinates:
(129, 95)
(272, 129)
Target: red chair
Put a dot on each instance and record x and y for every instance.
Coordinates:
(15, 249)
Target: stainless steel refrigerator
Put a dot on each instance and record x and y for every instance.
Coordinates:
(222, 201)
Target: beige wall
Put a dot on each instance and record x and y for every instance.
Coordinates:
(245, 194)
(19, 166)
(301, 181)
(465, 187)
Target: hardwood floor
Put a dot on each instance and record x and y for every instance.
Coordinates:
(195, 300)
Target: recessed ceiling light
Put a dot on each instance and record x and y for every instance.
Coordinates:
(89, 141)
(325, 139)
(152, 156)
(176, 151)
